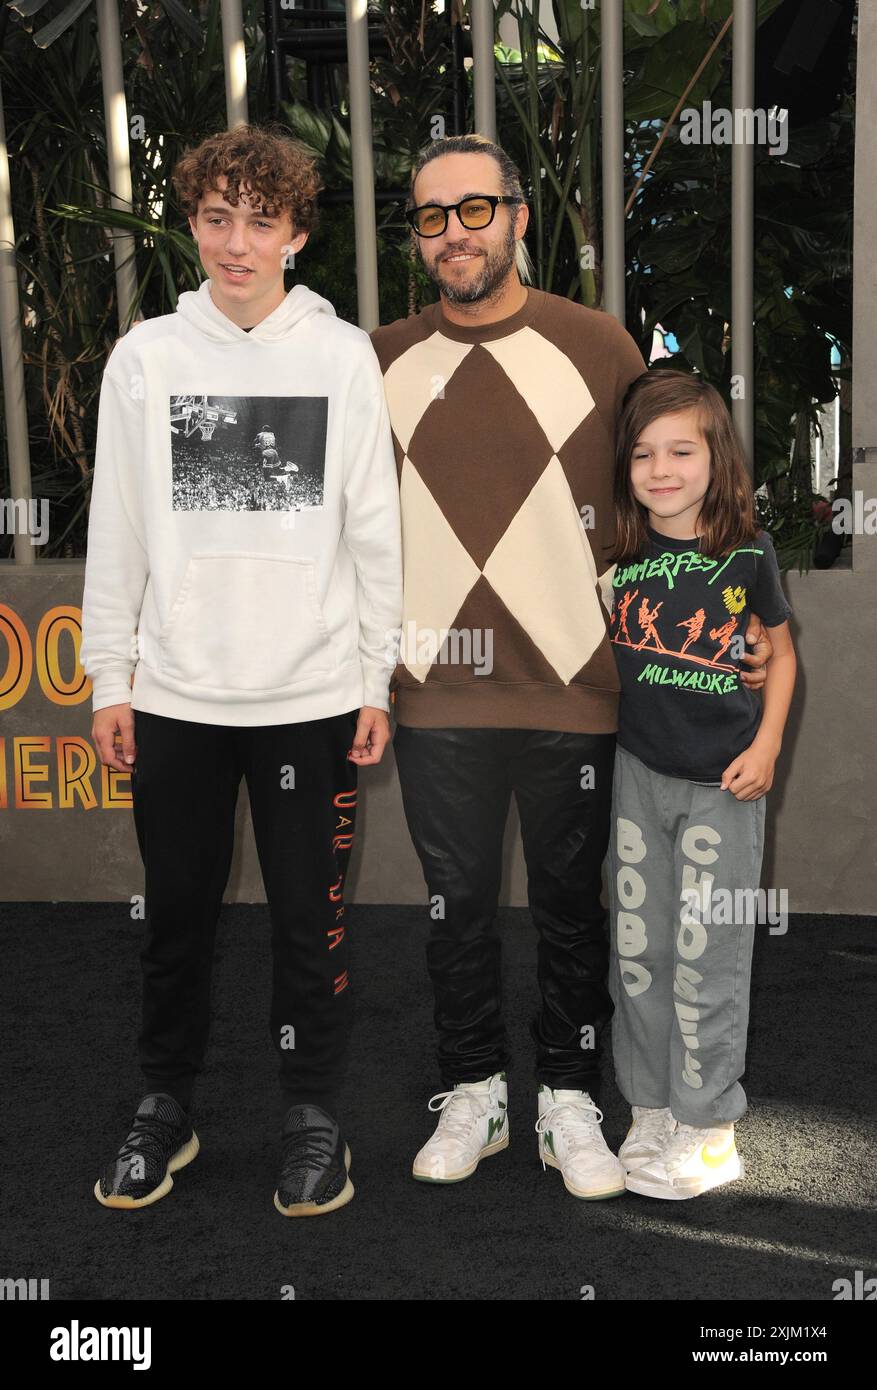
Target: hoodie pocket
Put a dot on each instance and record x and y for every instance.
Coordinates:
(246, 622)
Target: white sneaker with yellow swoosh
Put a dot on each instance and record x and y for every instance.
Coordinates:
(693, 1161)
(570, 1138)
(474, 1123)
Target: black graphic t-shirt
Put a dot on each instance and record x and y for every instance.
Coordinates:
(678, 632)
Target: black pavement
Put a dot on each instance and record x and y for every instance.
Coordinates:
(802, 1217)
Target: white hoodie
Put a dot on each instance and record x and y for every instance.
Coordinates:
(244, 552)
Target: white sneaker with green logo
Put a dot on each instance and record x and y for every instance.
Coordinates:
(570, 1138)
(473, 1124)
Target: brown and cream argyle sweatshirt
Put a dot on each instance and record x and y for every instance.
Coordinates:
(504, 437)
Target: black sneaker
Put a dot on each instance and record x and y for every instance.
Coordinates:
(161, 1141)
(315, 1164)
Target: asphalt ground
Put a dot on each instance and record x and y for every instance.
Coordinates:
(803, 1216)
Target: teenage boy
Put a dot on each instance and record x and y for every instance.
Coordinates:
(255, 622)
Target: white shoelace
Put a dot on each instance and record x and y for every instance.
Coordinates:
(576, 1126)
(459, 1124)
(653, 1125)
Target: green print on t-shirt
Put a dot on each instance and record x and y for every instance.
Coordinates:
(709, 682)
(678, 631)
(670, 563)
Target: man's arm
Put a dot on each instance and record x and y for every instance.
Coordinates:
(751, 774)
(372, 534)
(757, 636)
(116, 567)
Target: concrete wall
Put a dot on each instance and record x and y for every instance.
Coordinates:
(822, 815)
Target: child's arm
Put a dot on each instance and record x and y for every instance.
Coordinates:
(751, 775)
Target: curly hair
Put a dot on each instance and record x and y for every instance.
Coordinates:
(263, 159)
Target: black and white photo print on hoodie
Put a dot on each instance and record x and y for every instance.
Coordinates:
(248, 453)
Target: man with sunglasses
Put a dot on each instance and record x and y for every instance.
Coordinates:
(503, 400)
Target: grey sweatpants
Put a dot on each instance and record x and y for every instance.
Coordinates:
(682, 935)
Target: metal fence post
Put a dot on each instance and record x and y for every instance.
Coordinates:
(118, 152)
(14, 403)
(612, 100)
(363, 166)
(234, 58)
(483, 73)
(742, 229)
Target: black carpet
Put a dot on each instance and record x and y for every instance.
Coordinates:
(802, 1217)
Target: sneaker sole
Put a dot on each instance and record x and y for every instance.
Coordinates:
(575, 1192)
(320, 1208)
(645, 1186)
(122, 1202)
(493, 1148)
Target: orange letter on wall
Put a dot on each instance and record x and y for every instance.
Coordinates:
(76, 763)
(53, 685)
(115, 789)
(19, 658)
(25, 773)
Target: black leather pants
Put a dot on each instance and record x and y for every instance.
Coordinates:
(456, 785)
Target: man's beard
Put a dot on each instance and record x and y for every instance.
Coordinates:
(498, 261)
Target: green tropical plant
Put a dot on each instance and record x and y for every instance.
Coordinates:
(678, 225)
(678, 252)
(63, 218)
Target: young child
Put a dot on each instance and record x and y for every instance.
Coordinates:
(695, 757)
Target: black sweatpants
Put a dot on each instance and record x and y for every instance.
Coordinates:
(456, 785)
(302, 791)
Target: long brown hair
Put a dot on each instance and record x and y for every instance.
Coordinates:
(727, 515)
